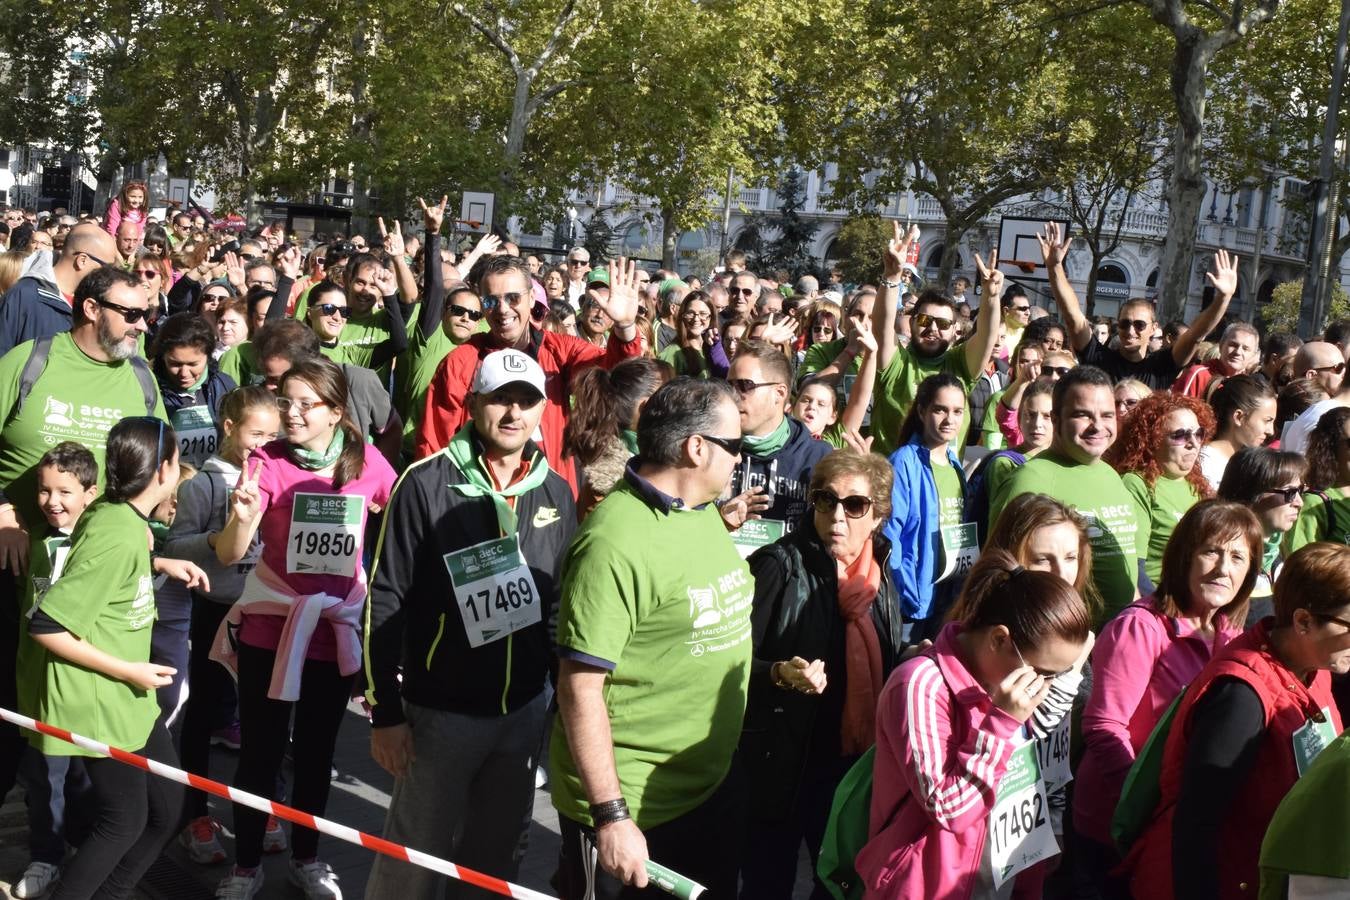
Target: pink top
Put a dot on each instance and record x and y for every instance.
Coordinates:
(115, 216)
(942, 747)
(278, 484)
(1006, 417)
(1140, 663)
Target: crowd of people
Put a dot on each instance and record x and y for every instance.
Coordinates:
(958, 595)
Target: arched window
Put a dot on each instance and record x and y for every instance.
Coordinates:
(935, 257)
(1112, 283)
(638, 236)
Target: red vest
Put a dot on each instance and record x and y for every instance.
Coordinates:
(1288, 705)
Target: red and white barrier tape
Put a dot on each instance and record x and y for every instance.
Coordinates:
(324, 826)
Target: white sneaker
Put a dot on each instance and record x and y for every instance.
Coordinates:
(274, 839)
(316, 879)
(239, 887)
(36, 880)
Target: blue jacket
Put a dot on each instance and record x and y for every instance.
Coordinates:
(912, 529)
(33, 308)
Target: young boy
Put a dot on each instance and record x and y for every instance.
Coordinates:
(67, 483)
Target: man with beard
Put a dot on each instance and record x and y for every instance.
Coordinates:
(930, 351)
(73, 386)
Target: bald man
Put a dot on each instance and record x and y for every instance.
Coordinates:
(38, 305)
(128, 240)
(1323, 363)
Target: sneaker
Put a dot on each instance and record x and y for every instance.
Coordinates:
(227, 737)
(274, 839)
(36, 880)
(237, 886)
(316, 879)
(199, 837)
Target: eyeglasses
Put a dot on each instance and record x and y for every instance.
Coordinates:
(1186, 435)
(1286, 495)
(285, 404)
(1131, 403)
(1021, 309)
(248, 256)
(132, 316)
(101, 262)
(855, 506)
(578, 262)
(490, 301)
(1139, 325)
(923, 320)
(731, 445)
(746, 385)
(330, 309)
(822, 329)
(1330, 618)
(459, 312)
(1057, 371)
(1338, 368)
(694, 314)
(147, 274)
(744, 292)
(1048, 676)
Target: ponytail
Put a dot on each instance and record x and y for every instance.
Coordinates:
(605, 402)
(1033, 606)
(137, 447)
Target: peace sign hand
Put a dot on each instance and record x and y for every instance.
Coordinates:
(246, 502)
(897, 249)
(433, 216)
(991, 275)
(393, 240)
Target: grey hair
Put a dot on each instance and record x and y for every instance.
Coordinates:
(256, 263)
(678, 410)
(1241, 328)
(807, 284)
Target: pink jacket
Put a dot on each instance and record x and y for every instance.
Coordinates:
(942, 747)
(114, 217)
(1140, 663)
(1006, 417)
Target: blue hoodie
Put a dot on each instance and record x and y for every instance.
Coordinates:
(912, 529)
(787, 472)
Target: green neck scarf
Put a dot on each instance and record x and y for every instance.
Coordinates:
(192, 391)
(479, 484)
(312, 459)
(770, 443)
(629, 438)
(1271, 552)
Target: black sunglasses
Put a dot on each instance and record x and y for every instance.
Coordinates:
(1060, 371)
(132, 316)
(1139, 325)
(457, 311)
(731, 445)
(746, 385)
(1286, 495)
(328, 309)
(855, 506)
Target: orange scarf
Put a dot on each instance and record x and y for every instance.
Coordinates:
(858, 586)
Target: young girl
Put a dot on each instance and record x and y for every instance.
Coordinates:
(307, 498)
(929, 540)
(989, 478)
(958, 802)
(248, 420)
(817, 403)
(131, 204)
(94, 624)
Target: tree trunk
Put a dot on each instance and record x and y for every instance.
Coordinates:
(951, 249)
(1186, 191)
(670, 241)
(1090, 291)
(515, 146)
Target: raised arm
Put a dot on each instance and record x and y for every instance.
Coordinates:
(1054, 247)
(394, 246)
(981, 345)
(1224, 280)
(433, 278)
(888, 297)
(860, 395)
(486, 246)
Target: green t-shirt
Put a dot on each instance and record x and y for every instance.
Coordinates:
(949, 495)
(47, 553)
(996, 475)
(991, 436)
(414, 373)
(240, 362)
(820, 355)
(74, 399)
(1320, 521)
(105, 596)
(897, 384)
(675, 355)
(1113, 522)
(1160, 509)
(667, 599)
(361, 335)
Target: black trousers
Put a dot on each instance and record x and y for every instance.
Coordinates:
(265, 725)
(211, 701)
(772, 848)
(135, 815)
(704, 844)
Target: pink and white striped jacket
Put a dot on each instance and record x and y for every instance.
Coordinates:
(942, 747)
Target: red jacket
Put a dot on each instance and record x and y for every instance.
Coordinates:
(1195, 379)
(1288, 705)
(559, 355)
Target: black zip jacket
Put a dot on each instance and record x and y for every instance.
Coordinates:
(414, 623)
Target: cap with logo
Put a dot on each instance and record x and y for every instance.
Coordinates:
(508, 367)
(597, 276)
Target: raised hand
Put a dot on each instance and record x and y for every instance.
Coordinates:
(862, 333)
(234, 271)
(1054, 247)
(288, 262)
(624, 297)
(783, 332)
(744, 506)
(991, 276)
(1224, 278)
(433, 216)
(856, 442)
(1021, 692)
(245, 502)
(897, 248)
(393, 240)
(385, 281)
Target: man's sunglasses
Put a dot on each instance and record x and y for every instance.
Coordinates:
(132, 316)
(923, 320)
(746, 385)
(1338, 368)
(331, 309)
(855, 506)
(731, 445)
(1139, 325)
(1021, 309)
(459, 312)
(743, 291)
(490, 301)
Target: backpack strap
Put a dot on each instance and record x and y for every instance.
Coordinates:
(32, 370)
(149, 389)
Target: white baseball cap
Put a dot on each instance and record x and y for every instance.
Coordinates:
(505, 367)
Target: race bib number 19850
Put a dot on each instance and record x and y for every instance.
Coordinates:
(325, 535)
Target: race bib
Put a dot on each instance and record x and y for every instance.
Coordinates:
(755, 533)
(494, 590)
(1020, 834)
(196, 432)
(1052, 752)
(1312, 739)
(960, 549)
(325, 536)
